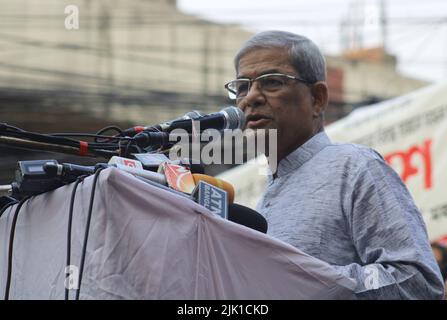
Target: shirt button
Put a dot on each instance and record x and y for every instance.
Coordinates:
(267, 204)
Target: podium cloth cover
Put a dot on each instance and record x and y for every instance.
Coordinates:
(149, 243)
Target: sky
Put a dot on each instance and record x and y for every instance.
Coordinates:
(416, 31)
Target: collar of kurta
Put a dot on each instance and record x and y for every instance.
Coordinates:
(301, 155)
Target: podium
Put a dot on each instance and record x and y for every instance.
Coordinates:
(148, 243)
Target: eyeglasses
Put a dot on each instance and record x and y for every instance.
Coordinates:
(269, 83)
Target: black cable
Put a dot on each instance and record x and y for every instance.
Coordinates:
(100, 153)
(104, 153)
(139, 150)
(11, 247)
(10, 203)
(110, 128)
(4, 126)
(60, 139)
(124, 147)
(42, 138)
(87, 228)
(70, 222)
(102, 149)
(98, 149)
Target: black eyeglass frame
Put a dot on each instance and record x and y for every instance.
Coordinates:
(233, 95)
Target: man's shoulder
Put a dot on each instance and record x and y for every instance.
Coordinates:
(360, 154)
(353, 160)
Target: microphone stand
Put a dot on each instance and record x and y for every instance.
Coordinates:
(34, 145)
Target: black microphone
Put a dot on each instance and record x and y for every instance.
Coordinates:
(247, 217)
(158, 136)
(130, 132)
(194, 166)
(228, 118)
(191, 115)
(68, 172)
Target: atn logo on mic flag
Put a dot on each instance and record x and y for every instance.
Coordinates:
(178, 177)
(124, 162)
(212, 198)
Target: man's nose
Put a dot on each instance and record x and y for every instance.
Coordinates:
(254, 97)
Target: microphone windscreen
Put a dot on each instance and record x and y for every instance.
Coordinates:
(235, 117)
(217, 183)
(247, 217)
(193, 115)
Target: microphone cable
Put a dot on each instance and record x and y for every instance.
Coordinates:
(4, 208)
(87, 228)
(120, 133)
(11, 247)
(69, 228)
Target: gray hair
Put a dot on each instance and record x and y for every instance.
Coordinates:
(304, 55)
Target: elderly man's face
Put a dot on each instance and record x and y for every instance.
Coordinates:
(293, 110)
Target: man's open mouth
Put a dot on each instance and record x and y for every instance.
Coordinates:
(256, 121)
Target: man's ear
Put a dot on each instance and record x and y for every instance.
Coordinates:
(320, 94)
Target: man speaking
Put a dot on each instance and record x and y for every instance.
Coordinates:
(340, 203)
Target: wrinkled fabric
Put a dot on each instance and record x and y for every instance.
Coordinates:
(148, 243)
(343, 204)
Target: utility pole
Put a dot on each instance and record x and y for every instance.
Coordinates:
(359, 19)
(383, 24)
(205, 57)
(445, 48)
(352, 25)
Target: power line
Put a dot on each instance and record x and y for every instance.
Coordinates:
(130, 22)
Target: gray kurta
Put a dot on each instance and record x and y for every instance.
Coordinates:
(343, 204)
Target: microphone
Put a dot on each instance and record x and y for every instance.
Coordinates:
(213, 198)
(217, 183)
(247, 217)
(158, 136)
(32, 179)
(137, 129)
(39, 176)
(212, 193)
(177, 177)
(66, 173)
(191, 115)
(228, 118)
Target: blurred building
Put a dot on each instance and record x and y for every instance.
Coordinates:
(140, 59)
(129, 62)
(138, 62)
